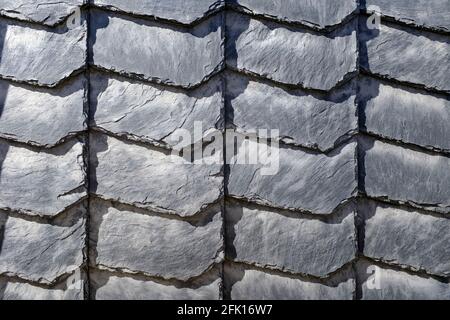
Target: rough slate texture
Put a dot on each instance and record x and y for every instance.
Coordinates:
(97, 202)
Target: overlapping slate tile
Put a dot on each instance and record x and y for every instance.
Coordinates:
(42, 117)
(405, 114)
(244, 283)
(186, 12)
(40, 55)
(154, 113)
(41, 182)
(152, 178)
(111, 286)
(41, 252)
(428, 13)
(317, 14)
(153, 245)
(18, 290)
(424, 55)
(406, 237)
(294, 179)
(291, 55)
(288, 242)
(42, 11)
(406, 175)
(157, 52)
(306, 119)
(386, 284)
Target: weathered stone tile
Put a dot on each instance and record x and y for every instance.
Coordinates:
(178, 56)
(289, 242)
(110, 286)
(153, 245)
(244, 283)
(406, 175)
(41, 183)
(294, 179)
(182, 11)
(386, 284)
(424, 55)
(42, 252)
(317, 14)
(428, 13)
(41, 11)
(154, 113)
(406, 237)
(311, 120)
(15, 290)
(405, 114)
(149, 178)
(40, 55)
(288, 55)
(42, 117)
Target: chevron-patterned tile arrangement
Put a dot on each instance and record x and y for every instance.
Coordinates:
(93, 205)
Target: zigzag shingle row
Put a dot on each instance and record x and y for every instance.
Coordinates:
(284, 75)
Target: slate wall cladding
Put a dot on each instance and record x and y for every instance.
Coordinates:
(93, 205)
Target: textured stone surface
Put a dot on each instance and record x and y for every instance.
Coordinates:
(178, 10)
(406, 175)
(39, 55)
(315, 61)
(289, 242)
(405, 114)
(251, 284)
(406, 237)
(185, 57)
(424, 55)
(154, 113)
(39, 251)
(307, 181)
(397, 285)
(107, 286)
(42, 116)
(312, 120)
(15, 290)
(42, 11)
(428, 13)
(149, 178)
(41, 183)
(161, 247)
(316, 14)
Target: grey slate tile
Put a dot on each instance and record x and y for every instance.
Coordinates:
(42, 117)
(245, 283)
(186, 12)
(291, 55)
(112, 286)
(405, 175)
(308, 181)
(40, 55)
(151, 178)
(316, 14)
(398, 285)
(289, 242)
(425, 56)
(157, 52)
(156, 246)
(406, 237)
(41, 182)
(306, 119)
(432, 14)
(42, 252)
(154, 113)
(40, 11)
(405, 114)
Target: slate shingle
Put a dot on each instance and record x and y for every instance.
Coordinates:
(157, 246)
